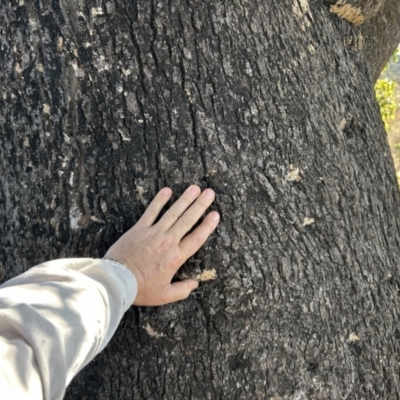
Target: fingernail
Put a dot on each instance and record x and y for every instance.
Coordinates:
(194, 190)
(194, 285)
(209, 194)
(166, 191)
(215, 216)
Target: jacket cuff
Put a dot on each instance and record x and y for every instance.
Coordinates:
(124, 278)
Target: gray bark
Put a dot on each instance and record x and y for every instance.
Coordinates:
(269, 103)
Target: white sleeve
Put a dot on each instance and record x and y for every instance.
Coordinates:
(54, 319)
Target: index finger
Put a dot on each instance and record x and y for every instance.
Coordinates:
(154, 208)
(179, 207)
(189, 218)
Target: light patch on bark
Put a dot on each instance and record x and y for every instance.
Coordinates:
(212, 171)
(359, 41)
(131, 102)
(46, 108)
(67, 140)
(152, 333)
(101, 64)
(140, 191)
(95, 219)
(348, 12)
(60, 44)
(387, 277)
(308, 221)
(353, 337)
(95, 11)
(104, 206)
(125, 138)
(187, 53)
(293, 174)
(18, 68)
(248, 69)
(79, 73)
(343, 123)
(110, 7)
(39, 67)
(207, 275)
(74, 217)
(378, 6)
(33, 23)
(189, 96)
(126, 72)
(300, 8)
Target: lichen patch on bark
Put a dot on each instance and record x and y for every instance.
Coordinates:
(140, 191)
(293, 174)
(152, 333)
(353, 337)
(348, 12)
(308, 221)
(207, 275)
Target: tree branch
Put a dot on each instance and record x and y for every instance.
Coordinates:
(381, 36)
(356, 11)
(379, 22)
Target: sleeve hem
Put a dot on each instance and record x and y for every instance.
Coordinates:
(124, 277)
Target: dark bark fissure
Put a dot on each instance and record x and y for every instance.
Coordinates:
(271, 104)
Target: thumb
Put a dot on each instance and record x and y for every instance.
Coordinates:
(181, 290)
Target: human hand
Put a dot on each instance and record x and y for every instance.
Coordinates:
(155, 252)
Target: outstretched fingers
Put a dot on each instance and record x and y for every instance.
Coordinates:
(190, 217)
(191, 243)
(154, 208)
(179, 207)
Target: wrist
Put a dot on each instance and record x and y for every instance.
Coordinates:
(125, 276)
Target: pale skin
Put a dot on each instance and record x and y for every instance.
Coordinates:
(155, 251)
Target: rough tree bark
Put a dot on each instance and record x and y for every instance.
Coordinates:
(268, 102)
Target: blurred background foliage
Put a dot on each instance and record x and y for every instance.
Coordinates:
(385, 95)
(387, 90)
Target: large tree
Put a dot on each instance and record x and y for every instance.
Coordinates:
(270, 103)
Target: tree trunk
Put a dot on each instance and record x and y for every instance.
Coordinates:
(271, 104)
